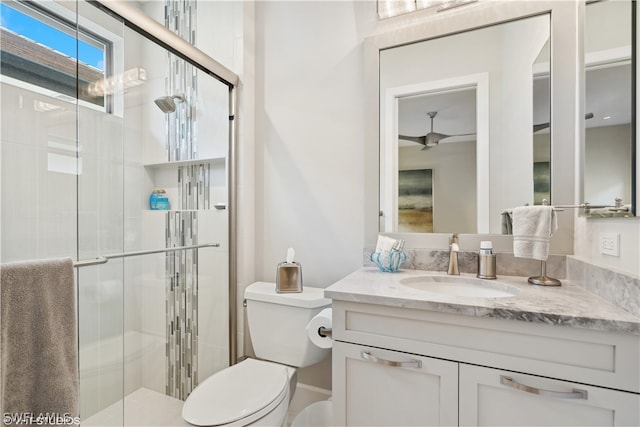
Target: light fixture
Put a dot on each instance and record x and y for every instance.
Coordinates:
(390, 8)
(42, 106)
(450, 4)
(424, 4)
(128, 79)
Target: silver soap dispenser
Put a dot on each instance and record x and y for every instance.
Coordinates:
(486, 261)
(289, 275)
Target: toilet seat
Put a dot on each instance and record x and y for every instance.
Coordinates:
(240, 394)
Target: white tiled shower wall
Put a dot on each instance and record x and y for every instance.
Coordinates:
(56, 205)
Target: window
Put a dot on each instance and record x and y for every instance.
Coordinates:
(45, 50)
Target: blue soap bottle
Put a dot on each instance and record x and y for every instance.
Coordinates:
(158, 201)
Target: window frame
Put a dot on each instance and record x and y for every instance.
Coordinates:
(58, 18)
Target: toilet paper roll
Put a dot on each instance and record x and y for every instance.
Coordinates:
(322, 319)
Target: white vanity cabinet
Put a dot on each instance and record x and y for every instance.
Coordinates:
(478, 371)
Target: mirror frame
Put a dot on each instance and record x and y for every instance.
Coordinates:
(564, 86)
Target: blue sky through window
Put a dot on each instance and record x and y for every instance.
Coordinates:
(46, 35)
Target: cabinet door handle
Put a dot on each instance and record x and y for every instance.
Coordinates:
(575, 394)
(408, 364)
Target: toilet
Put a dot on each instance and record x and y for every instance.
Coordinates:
(258, 391)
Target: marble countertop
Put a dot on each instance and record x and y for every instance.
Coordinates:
(567, 305)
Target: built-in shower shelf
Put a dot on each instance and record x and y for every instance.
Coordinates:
(212, 160)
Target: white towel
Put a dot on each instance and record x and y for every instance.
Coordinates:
(532, 227)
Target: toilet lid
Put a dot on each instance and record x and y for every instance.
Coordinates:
(248, 391)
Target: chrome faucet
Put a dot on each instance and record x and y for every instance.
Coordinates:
(453, 256)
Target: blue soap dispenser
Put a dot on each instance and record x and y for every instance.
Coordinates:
(158, 201)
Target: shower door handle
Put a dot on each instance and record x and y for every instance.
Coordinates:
(106, 258)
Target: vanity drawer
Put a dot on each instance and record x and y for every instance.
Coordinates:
(581, 355)
(493, 397)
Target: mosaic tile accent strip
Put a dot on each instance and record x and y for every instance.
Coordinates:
(193, 186)
(182, 135)
(182, 227)
(180, 17)
(182, 304)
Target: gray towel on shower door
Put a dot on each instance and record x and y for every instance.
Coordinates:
(507, 221)
(38, 342)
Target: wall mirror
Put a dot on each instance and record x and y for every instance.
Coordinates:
(609, 128)
(465, 128)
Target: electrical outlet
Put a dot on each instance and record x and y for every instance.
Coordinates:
(610, 244)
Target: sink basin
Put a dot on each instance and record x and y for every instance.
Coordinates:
(459, 286)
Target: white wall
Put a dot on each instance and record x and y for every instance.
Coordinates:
(309, 138)
(587, 233)
(309, 142)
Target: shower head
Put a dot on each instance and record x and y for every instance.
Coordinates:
(166, 103)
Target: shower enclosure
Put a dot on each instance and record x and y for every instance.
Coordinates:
(102, 106)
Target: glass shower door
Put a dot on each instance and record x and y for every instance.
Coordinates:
(83, 146)
(176, 142)
(168, 132)
(102, 289)
(62, 168)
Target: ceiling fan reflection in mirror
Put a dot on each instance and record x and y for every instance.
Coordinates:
(431, 139)
(541, 126)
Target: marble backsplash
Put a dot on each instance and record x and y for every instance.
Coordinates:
(616, 288)
(506, 264)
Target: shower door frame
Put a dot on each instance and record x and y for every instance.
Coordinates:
(135, 19)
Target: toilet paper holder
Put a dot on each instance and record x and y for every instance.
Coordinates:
(325, 332)
(319, 329)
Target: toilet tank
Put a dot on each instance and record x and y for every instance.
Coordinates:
(277, 323)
